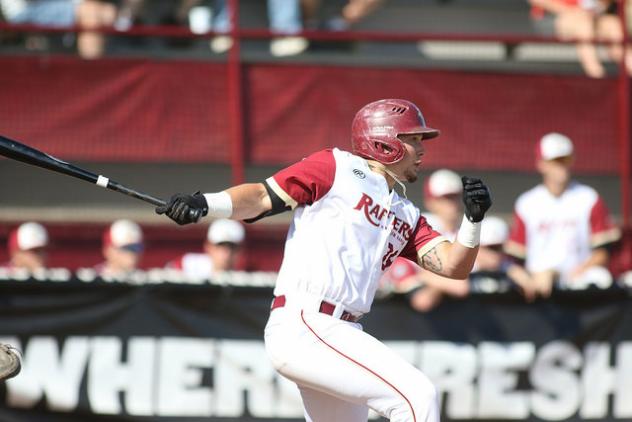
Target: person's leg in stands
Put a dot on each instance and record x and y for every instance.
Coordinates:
(286, 20)
(579, 24)
(609, 29)
(93, 14)
(356, 10)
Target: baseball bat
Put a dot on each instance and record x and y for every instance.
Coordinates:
(29, 155)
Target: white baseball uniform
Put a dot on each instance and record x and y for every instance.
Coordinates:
(559, 233)
(346, 231)
(197, 266)
(399, 278)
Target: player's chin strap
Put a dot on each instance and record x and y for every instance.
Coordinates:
(378, 167)
(399, 182)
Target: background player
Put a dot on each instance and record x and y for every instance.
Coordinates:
(221, 250)
(123, 246)
(28, 246)
(561, 228)
(349, 225)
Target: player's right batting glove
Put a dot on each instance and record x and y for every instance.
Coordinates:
(476, 198)
(10, 363)
(185, 209)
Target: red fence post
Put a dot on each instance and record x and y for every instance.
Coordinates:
(624, 123)
(235, 97)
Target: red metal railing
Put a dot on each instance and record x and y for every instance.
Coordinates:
(624, 127)
(235, 92)
(236, 86)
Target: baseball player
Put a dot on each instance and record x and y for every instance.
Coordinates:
(221, 250)
(349, 224)
(122, 248)
(28, 245)
(561, 228)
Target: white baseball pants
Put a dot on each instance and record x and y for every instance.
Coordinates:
(341, 371)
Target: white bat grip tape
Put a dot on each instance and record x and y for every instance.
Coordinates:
(103, 181)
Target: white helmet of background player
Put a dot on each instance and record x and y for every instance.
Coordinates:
(28, 236)
(553, 146)
(442, 182)
(27, 246)
(124, 234)
(225, 230)
(494, 231)
(223, 243)
(123, 245)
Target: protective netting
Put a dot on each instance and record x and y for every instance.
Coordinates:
(116, 110)
(178, 111)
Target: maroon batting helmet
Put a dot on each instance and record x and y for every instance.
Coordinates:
(376, 126)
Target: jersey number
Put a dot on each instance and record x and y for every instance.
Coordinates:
(388, 258)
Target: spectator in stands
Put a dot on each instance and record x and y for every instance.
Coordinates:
(561, 228)
(88, 14)
(285, 20)
(221, 249)
(122, 249)
(585, 20)
(28, 245)
(442, 197)
(351, 13)
(128, 13)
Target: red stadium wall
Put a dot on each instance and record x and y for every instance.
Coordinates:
(148, 110)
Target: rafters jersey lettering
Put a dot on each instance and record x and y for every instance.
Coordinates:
(376, 214)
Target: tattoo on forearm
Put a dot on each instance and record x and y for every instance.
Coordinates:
(432, 261)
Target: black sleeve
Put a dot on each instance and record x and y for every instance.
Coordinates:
(278, 206)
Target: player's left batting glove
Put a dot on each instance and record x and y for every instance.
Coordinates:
(476, 198)
(185, 209)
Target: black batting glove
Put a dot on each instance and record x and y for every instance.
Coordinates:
(185, 209)
(476, 198)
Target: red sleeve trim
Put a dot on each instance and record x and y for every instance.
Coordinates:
(518, 232)
(602, 229)
(176, 264)
(516, 244)
(424, 237)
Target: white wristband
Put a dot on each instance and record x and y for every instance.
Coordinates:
(219, 204)
(469, 234)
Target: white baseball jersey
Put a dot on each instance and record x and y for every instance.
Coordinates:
(559, 233)
(197, 266)
(347, 229)
(399, 277)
